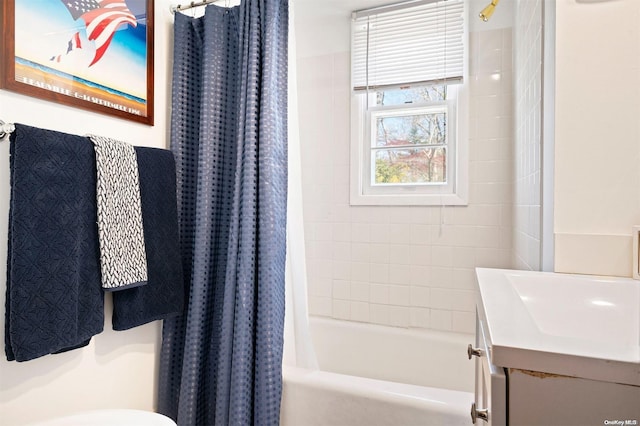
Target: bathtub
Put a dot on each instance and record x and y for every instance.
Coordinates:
(377, 375)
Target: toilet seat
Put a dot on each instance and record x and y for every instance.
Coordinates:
(111, 417)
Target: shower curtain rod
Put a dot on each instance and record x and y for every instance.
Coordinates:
(5, 130)
(193, 4)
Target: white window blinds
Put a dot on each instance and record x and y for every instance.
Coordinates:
(408, 43)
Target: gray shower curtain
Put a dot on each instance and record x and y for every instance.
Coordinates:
(220, 361)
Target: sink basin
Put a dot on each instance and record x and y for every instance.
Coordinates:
(602, 311)
(575, 325)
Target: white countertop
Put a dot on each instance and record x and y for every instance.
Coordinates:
(573, 325)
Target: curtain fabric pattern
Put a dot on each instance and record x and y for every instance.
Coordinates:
(221, 361)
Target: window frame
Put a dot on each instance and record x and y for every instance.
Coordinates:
(454, 193)
(369, 188)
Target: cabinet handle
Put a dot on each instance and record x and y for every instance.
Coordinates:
(479, 413)
(471, 351)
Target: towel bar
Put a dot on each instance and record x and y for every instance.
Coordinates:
(5, 130)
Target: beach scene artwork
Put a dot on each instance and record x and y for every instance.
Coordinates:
(89, 50)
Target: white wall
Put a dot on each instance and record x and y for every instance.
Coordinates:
(527, 35)
(597, 137)
(401, 266)
(118, 369)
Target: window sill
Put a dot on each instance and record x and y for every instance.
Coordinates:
(409, 200)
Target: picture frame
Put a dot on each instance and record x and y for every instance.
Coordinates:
(91, 54)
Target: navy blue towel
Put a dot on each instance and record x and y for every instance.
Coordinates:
(163, 296)
(54, 297)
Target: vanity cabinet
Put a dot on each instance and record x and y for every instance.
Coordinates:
(530, 370)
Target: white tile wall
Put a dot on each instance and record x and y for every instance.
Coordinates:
(405, 266)
(527, 36)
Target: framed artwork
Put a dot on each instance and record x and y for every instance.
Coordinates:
(91, 54)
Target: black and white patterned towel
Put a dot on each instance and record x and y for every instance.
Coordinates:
(123, 261)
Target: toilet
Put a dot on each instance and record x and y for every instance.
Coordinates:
(111, 417)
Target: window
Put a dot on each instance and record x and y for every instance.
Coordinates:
(408, 141)
(408, 105)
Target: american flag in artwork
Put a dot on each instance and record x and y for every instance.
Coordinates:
(102, 18)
